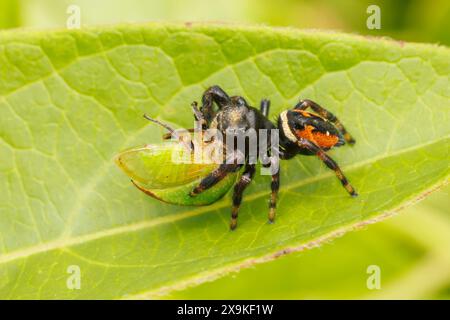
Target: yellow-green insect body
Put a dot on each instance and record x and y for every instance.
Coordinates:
(159, 171)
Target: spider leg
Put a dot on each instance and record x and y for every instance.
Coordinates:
(305, 104)
(244, 181)
(264, 107)
(213, 94)
(287, 154)
(214, 177)
(199, 116)
(330, 163)
(275, 186)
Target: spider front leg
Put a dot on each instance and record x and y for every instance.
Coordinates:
(305, 104)
(244, 181)
(214, 177)
(213, 94)
(330, 163)
(198, 117)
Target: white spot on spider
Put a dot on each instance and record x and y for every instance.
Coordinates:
(328, 133)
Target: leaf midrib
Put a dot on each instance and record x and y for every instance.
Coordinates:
(77, 240)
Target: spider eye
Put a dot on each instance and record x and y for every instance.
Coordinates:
(240, 102)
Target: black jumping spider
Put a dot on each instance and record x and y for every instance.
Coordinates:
(300, 132)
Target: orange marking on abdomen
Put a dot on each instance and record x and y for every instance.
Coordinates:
(321, 139)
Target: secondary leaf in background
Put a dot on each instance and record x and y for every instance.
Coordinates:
(9, 14)
(70, 100)
(411, 21)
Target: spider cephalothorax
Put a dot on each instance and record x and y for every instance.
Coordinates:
(300, 132)
(234, 114)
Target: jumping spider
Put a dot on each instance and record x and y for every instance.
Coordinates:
(300, 132)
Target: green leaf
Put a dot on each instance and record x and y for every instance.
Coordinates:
(405, 249)
(70, 100)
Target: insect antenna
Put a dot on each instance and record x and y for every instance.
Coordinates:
(165, 126)
(174, 133)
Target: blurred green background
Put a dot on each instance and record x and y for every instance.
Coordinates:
(410, 20)
(412, 249)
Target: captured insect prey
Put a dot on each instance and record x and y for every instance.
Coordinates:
(213, 163)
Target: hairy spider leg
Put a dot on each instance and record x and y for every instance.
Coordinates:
(329, 162)
(213, 94)
(239, 187)
(274, 186)
(214, 177)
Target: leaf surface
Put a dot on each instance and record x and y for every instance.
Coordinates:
(71, 100)
(405, 249)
